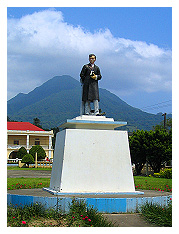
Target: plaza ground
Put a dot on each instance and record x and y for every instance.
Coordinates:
(118, 220)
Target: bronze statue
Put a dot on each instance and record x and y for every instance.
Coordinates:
(90, 74)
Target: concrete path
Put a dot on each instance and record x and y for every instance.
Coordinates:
(42, 193)
(29, 173)
(127, 220)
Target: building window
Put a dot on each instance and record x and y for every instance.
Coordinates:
(37, 142)
(16, 142)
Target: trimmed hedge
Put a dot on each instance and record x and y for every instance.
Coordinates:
(40, 152)
(28, 159)
(21, 152)
(166, 173)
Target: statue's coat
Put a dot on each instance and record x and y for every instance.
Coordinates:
(90, 86)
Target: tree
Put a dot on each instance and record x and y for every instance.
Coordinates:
(36, 122)
(55, 131)
(138, 150)
(28, 159)
(40, 152)
(159, 148)
(21, 152)
(169, 123)
(152, 146)
(160, 126)
(10, 120)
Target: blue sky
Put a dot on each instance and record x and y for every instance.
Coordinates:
(133, 48)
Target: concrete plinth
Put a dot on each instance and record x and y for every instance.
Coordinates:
(104, 203)
(91, 157)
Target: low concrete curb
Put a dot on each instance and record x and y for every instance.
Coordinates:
(104, 204)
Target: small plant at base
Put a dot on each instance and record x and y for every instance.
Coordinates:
(18, 216)
(79, 216)
(159, 215)
(83, 216)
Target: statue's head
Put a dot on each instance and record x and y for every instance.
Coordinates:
(92, 58)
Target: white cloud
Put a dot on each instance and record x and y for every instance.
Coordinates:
(43, 45)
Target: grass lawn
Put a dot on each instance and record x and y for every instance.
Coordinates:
(27, 183)
(141, 182)
(152, 183)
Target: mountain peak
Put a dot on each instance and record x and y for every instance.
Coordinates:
(59, 99)
(55, 85)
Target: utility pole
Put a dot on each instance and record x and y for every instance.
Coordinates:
(164, 120)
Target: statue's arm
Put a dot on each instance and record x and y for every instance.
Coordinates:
(83, 74)
(99, 76)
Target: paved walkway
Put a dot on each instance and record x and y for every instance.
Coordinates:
(29, 173)
(42, 193)
(128, 220)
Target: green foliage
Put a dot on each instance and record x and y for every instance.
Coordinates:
(28, 159)
(158, 215)
(141, 182)
(27, 183)
(168, 126)
(40, 152)
(79, 215)
(159, 148)
(82, 216)
(153, 183)
(24, 216)
(55, 131)
(137, 144)
(21, 152)
(36, 122)
(152, 146)
(166, 173)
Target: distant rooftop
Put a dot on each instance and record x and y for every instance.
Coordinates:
(22, 126)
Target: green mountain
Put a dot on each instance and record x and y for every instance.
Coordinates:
(59, 99)
(52, 86)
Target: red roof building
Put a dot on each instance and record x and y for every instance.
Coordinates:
(22, 126)
(27, 135)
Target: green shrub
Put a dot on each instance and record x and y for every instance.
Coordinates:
(166, 173)
(18, 216)
(158, 215)
(40, 152)
(28, 159)
(157, 175)
(82, 216)
(21, 152)
(79, 215)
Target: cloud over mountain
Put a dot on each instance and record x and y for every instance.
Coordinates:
(43, 44)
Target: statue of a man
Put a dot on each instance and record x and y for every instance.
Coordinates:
(90, 74)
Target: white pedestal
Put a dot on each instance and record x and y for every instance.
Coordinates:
(88, 160)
